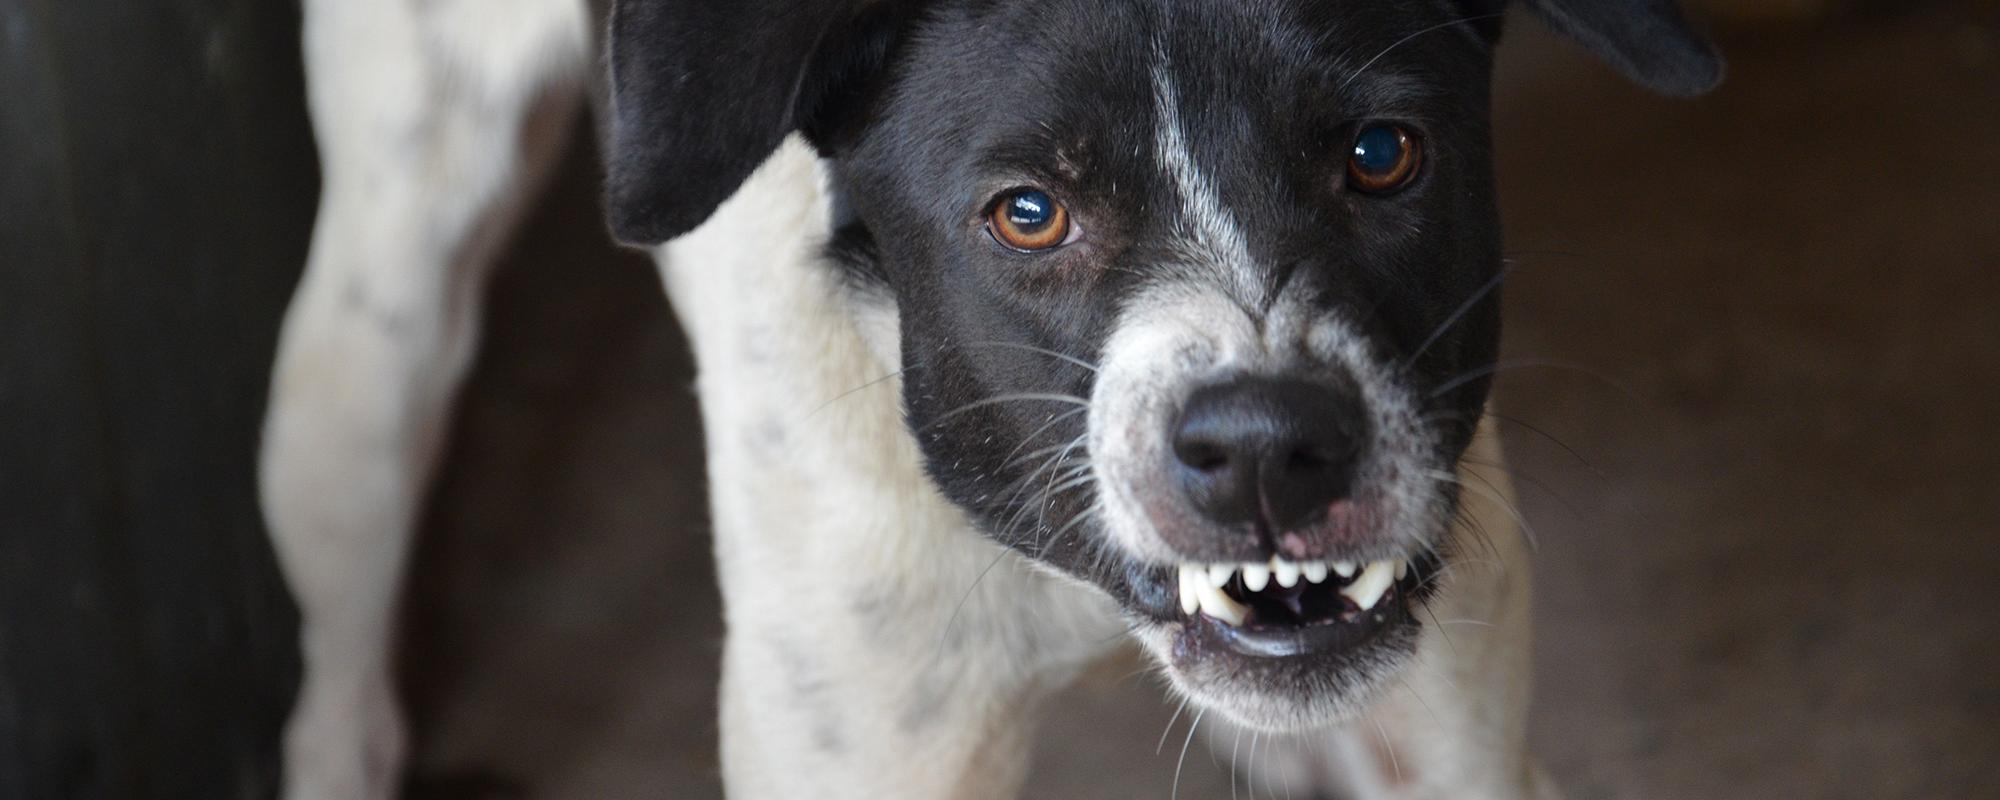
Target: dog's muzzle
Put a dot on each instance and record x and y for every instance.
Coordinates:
(1272, 464)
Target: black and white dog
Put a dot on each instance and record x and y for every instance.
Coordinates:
(1022, 327)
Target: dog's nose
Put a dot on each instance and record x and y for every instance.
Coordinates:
(1272, 450)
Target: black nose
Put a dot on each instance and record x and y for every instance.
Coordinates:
(1268, 450)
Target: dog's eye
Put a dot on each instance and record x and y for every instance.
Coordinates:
(1028, 220)
(1385, 158)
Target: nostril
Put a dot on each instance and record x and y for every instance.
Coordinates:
(1308, 459)
(1203, 456)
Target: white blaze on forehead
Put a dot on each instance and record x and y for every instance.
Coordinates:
(1208, 314)
(1208, 231)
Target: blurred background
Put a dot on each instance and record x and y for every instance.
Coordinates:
(1766, 488)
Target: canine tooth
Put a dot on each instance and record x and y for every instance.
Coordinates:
(1367, 590)
(1402, 569)
(1220, 606)
(1190, 599)
(1256, 577)
(1345, 568)
(1219, 574)
(1286, 572)
(1315, 571)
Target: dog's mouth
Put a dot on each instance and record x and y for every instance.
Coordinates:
(1280, 609)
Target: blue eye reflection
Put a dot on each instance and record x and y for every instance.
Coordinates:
(1378, 149)
(1030, 209)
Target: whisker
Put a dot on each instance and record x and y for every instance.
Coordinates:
(1495, 367)
(1017, 495)
(1170, 726)
(1066, 528)
(1390, 748)
(1493, 493)
(1054, 420)
(1232, 761)
(1070, 484)
(945, 635)
(1250, 778)
(1406, 40)
(1501, 366)
(1024, 397)
(1525, 478)
(837, 398)
(1441, 631)
(1421, 701)
(1043, 350)
(1552, 439)
(1463, 309)
(1184, 748)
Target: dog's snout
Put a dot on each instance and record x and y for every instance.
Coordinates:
(1272, 451)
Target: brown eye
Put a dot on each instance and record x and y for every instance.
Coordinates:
(1385, 158)
(1029, 220)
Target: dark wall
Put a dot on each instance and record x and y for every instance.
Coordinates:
(156, 191)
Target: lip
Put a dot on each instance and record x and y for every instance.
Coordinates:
(1301, 641)
(1336, 638)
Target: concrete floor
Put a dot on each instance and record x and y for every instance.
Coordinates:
(1763, 483)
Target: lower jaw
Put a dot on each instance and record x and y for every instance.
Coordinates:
(1295, 642)
(1330, 641)
(1287, 681)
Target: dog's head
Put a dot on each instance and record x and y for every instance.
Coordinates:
(1197, 298)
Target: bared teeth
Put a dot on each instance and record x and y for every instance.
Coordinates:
(1256, 577)
(1201, 585)
(1285, 572)
(1221, 606)
(1375, 580)
(1190, 578)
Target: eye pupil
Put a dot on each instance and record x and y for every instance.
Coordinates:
(1029, 209)
(1028, 220)
(1378, 149)
(1385, 158)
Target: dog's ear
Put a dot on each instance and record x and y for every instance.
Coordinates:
(702, 91)
(1647, 40)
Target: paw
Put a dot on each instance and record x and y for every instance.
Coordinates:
(344, 743)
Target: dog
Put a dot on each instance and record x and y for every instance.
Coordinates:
(1023, 330)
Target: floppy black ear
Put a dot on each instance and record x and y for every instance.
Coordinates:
(702, 91)
(1648, 40)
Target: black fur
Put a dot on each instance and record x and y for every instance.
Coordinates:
(929, 111)
(701, 93)
(1648, 40)
(703, 90)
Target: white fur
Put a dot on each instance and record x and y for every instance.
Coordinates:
(1209, 233)
(835, 554)
(878, 645)
(423, 114)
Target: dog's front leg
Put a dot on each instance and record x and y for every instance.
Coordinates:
(424, 113)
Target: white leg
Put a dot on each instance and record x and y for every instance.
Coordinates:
(432, 117)
(1455, 725)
